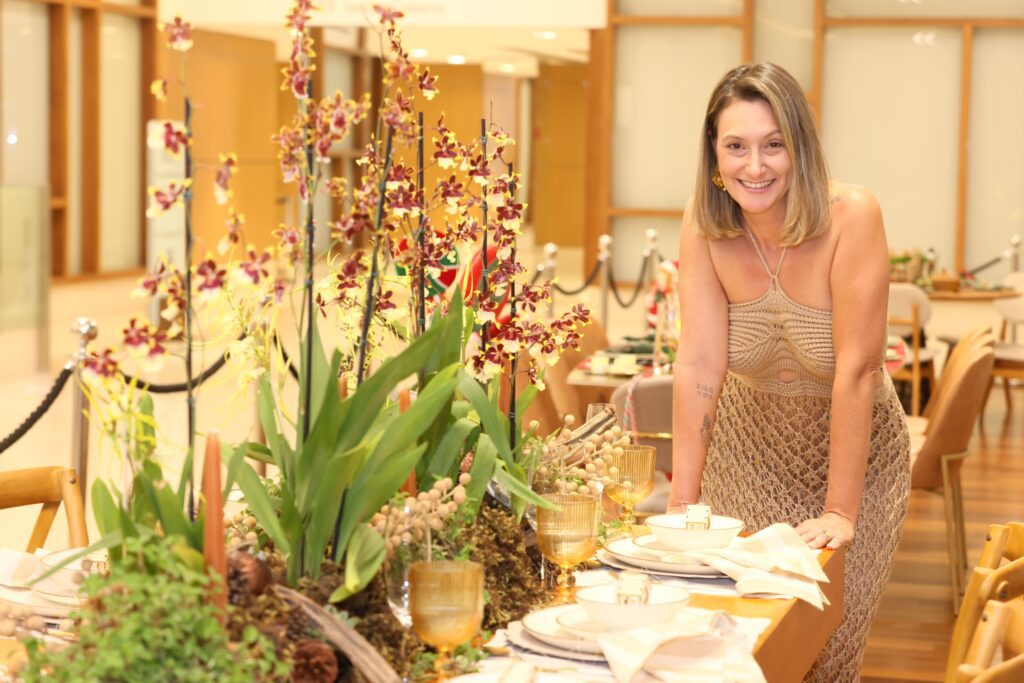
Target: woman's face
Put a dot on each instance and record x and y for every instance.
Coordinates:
(752, 158)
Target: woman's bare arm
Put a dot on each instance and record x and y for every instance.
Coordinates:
(700, 366)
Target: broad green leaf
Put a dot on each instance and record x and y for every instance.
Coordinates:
(363, 560)
(488, 415)
(322, 443)
(259, 502)
(165, 504)
(257, 452)
(484, 459)
(523, 402)
(279, 447)
(319, 380)
(405, 429)
(518, 489)
(235, 461)
(446, 456)
(104, 509)
(185, 480)
(324, 509)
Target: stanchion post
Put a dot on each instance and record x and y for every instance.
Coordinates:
(650, 269)
(604, 255)
(550, 254)
(85, 328)
(1015, 255)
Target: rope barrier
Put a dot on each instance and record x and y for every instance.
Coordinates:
(35, 415)
(182, 386)
(579, 290)
(639, 285)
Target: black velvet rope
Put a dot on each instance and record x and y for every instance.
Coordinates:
(639, 284)
(181, 386)
(589, 281)
(33, 418)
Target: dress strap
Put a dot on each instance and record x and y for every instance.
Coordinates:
(773, 274)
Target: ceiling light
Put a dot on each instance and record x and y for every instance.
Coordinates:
(507, 68)
(545, 35)
(456, 59)
(417, 53)
(12, 138)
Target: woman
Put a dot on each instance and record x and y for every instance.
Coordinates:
(782, 409)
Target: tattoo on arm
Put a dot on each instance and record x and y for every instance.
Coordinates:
(704, 390)
(705, 431)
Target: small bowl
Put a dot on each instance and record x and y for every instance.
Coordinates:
(664, 604)
(671, 531)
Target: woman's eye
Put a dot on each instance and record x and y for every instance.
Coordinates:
(776, 144)
(734, 146)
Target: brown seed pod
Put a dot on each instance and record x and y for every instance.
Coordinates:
(314, 662)
(253, 572)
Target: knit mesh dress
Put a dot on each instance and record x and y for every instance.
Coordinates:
(768, 456)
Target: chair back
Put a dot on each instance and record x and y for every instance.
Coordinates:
(950, 430)
(962, 350)
(997, 623)
(568, 398)
(650, 414)
(1012, 309)
(904, 299)
(50, 486)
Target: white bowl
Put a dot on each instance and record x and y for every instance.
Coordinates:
(664, 603)
(671, 531)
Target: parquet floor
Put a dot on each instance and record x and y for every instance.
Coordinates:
(909, 638)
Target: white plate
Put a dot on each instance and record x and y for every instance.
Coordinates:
(543, 626)
(579, 623)
(39, 604)
(497, 677)
(520, 637)
(640, 553)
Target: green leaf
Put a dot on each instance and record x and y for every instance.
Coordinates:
(484, 458)
(523, 402)
(363, 560)
(235, 461)
(322, 443)
(165, 504)
(488, 415)
(104, 509)
(445, 457)
(519, 489)
(259, 502)
(283, 454)
(257, 452)
(320, 380)
(186, 477)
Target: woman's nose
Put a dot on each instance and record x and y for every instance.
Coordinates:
(755, 162)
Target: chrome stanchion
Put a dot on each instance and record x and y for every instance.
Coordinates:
(1015, 253)
(550, 254)
(85, 328)
(650, 270)
(604, 251)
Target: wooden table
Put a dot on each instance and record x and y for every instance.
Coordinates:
(798, 632)
(581, 378)
(974, 295)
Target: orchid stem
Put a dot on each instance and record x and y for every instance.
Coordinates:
(190, 399)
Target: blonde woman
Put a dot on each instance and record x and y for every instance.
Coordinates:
(783, 410)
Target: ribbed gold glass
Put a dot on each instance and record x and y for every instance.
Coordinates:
(567, 535)
(632, 475)
(446, 601)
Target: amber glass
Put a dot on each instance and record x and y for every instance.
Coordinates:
(567, 535)
(446, 601)
(632, 475)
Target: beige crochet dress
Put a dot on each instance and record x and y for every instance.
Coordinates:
(768, 457)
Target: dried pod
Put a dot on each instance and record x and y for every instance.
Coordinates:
(35, 623)
(7, 628)
(252, 571)
(314, 662)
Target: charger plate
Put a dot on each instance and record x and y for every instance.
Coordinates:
(645, 552)
(543, 625)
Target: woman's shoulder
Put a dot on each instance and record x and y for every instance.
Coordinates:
(856, 214)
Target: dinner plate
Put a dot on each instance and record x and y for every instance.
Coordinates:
(519, 637)
(498, 676)
(579, 623)
(640, 553)
(543, 626)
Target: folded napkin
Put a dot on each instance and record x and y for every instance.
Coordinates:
(774, 561)
(16, 567)
(699, 646)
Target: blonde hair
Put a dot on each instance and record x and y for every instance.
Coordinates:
(808, 206)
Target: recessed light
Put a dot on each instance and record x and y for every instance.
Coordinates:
(456, 59)
(545, 35)
(417, 53)
(508, 68)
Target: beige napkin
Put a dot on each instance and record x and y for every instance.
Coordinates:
(774, 561)
(699, 646)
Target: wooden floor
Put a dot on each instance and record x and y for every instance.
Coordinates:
(909, 638)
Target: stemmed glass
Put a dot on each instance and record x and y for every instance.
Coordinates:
(567, 535)
(632, 475)
(396, 575)
(446, 600)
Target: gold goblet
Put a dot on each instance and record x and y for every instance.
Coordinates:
(567, 535)
(632, 475)
(446, 601)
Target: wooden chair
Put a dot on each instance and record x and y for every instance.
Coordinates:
(651, 424)
(918, 425)
(568, 398)
(909, 312)
(936, 466)
(50, 486)
(976, 635)
(995, 625)
(1009, 352)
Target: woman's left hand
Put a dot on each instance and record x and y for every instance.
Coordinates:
(829, 531)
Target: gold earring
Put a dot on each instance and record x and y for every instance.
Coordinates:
(716, 180)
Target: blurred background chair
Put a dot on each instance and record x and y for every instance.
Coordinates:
(1009, 349)
(50, 486)
(909, 312)
(992, 612)
(569, 399)
(644, 407)
(935, 466)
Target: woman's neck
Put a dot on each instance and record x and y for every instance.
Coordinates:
(766, 227)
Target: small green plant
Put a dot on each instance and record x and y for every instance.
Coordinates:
(151, 619)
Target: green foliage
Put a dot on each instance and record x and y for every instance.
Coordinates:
(358, 452)
(151, 619)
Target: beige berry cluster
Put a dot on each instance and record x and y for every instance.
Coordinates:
(240, 530)
(427, 512)
(19, 617)
(579, 467)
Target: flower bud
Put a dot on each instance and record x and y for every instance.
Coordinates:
(465, 478)
(459, 495)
